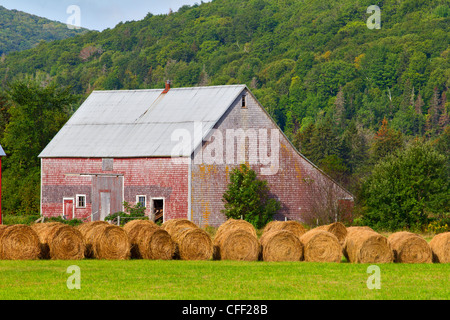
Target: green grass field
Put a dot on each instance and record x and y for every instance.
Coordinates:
(219, 280)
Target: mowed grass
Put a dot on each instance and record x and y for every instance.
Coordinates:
(219, 280)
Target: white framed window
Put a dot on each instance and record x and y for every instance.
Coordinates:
(81, 201)
(142, 200)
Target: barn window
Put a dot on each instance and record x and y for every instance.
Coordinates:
(244, 101)
(142, 200)
(107, 164)
(81, 201)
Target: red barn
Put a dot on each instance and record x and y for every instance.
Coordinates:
(2, 154)
(172, 150)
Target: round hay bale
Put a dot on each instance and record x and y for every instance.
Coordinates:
(270, 225)
(134, 226)
(105, 241)
(237, 245)
(321, 246)
(293, 226)
(338, 229)
(193, 244)
(440, 246)
(83, 228)
(363, 245)
(151, 243)
(359, 228)
(19, 242)
(175, 225)
(60, 242)
(281, 245)
(410, 248)
(233, 224)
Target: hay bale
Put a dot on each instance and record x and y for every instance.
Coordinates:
(129, 225)
(233, 224)
(175, 225)
(363, 245)
(293, 226)
(151, 243)
(321, 246)
(192, 244)
(410, 248)
(236, 244)
(281, 245)
(338, 229)
(359, 228)
(134, 226)
(270, 225)
(440, 247)
(60, 242)
(105, 241)
(19, 242)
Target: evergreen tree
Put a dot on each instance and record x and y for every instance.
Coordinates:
(302, 140)
(339, 109)
(444, 119)
(386, 141)
(354, 148)
(324, 141)
(432, 122)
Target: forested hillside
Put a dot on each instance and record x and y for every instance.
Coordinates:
(21, 31)
(349, 97)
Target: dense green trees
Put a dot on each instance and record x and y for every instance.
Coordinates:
(21, 31)
(38, 110)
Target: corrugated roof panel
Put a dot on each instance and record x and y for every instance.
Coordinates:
(140, 123)
(107, 107)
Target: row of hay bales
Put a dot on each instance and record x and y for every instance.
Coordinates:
(234, 240)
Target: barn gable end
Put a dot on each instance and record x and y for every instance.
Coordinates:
(290, 181)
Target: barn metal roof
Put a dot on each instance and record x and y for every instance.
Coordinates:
(140, 123)
(2, 153)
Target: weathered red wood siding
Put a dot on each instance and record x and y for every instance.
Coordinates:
(153, 177)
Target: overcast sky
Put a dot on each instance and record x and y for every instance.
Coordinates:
(96, 14)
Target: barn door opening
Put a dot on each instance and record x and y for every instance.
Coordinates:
(158, 209)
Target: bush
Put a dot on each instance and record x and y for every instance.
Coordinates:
(131, 213)
(73, 222)
(249, 198)
(22, 219)
(438, 226)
